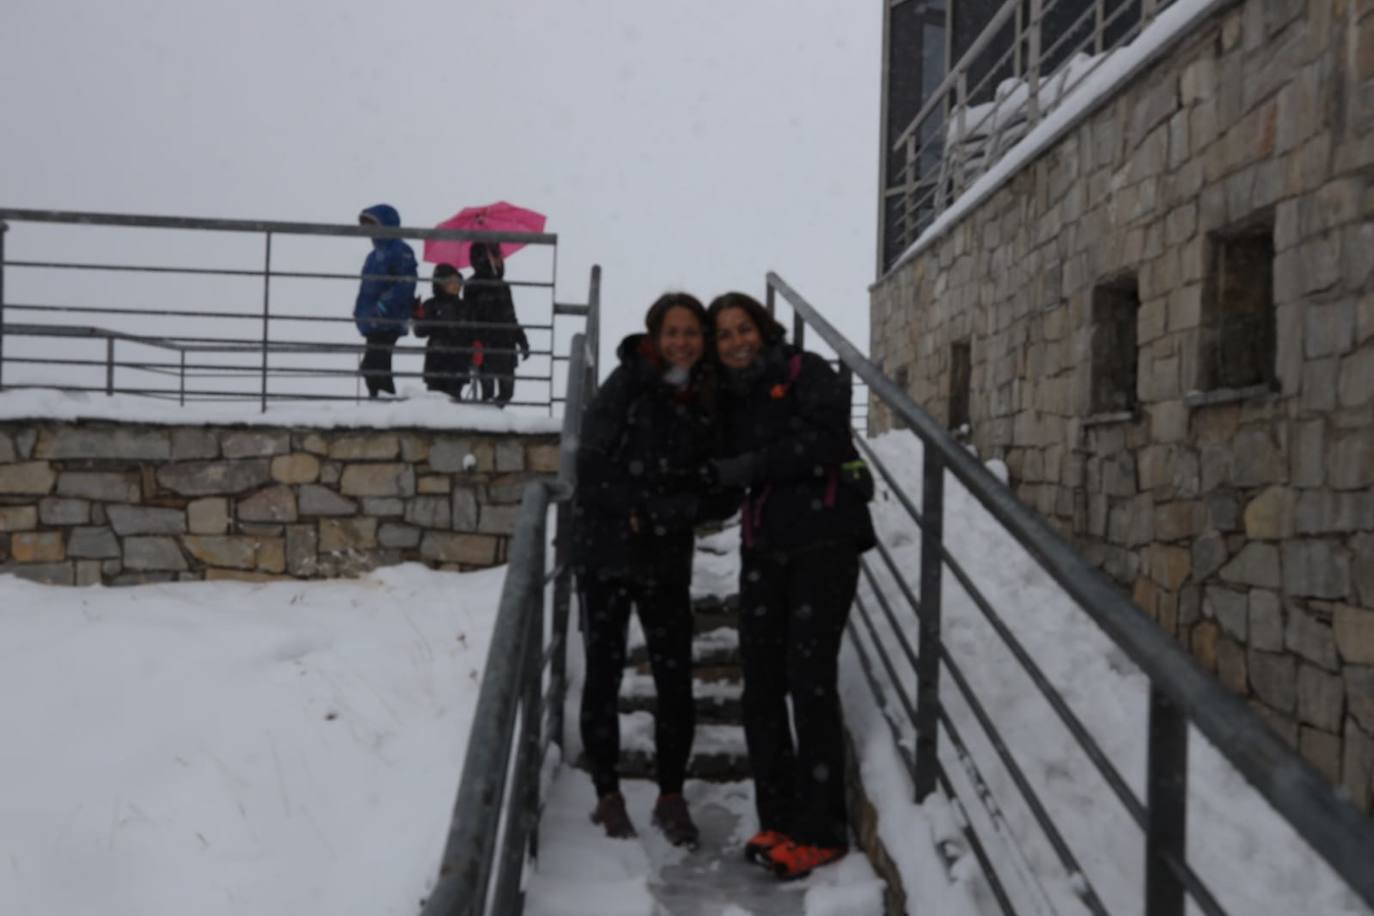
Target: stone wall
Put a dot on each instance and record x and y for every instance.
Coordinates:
(1242, 520)
(85, 503)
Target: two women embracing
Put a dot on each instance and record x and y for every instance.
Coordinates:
(711, 412)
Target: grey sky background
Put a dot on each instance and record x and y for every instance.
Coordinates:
(689, 145)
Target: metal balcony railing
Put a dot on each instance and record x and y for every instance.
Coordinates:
(223, 310)
(1027, 62)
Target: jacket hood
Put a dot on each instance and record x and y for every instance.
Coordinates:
(441, 273)
(480, 259)
(384, 215)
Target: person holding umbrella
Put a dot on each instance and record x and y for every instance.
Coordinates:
(498, 336)
(489, 302)
(386, 296)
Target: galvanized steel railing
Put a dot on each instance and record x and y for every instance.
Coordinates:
(232, 339)
(519, 714)
(1018, 70)
(1181, 693)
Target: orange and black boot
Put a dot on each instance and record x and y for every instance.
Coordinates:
(758, 847)
(790, 860)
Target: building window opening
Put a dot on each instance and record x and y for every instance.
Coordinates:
(1115, 354)
(1239, 337)
(960, 383)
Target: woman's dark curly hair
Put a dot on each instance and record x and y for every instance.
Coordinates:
(653, 319)
(769, 329)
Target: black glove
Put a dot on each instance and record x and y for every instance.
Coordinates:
(735, 472)
(524, 349)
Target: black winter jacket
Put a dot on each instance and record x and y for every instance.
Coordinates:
(798, 431)
(448, 354)
(488, 298)
(643, 444)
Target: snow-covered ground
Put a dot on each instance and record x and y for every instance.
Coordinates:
(290, 747)
(1250, 859)
(231, 748)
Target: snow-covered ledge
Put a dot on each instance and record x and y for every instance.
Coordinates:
(122, 490)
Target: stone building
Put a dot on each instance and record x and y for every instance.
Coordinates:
(1163, 322)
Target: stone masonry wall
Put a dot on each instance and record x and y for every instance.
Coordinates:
(85, 503)
(1241, 520)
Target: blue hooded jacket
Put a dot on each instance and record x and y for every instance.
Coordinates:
(383, 299)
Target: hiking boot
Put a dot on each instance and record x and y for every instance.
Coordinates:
(670, 816)
(758, 847)
(790, 860)
(610, 813)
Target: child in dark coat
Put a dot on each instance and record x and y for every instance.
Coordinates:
(446, 320)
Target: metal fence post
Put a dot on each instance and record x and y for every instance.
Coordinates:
(109, 364)
(928, 657)
(798, 330)
(770, 299)
(182, 395)
(266, 306)
(593, 324)
(4, 228)
(1033, 64)
(1166, 797)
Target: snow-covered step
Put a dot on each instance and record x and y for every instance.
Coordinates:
(717, 647)
(718, 751)
(717, 701)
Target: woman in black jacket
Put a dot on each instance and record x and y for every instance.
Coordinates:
(639, 494)
(444, 319)
(487, 294)
(785, 424)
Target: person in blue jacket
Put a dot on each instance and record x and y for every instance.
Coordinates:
(383, 307)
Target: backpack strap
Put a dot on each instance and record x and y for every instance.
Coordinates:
(794, 368)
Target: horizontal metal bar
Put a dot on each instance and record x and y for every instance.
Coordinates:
(257, 274)
(288, 316)
(567, 308)
(231, 396)
(277, 228)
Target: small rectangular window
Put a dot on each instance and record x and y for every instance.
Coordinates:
(960, 382)
(1116, 306)
(1239, 336)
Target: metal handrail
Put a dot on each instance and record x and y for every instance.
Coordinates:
(1181, 693)
(251, 382)
(496, 812)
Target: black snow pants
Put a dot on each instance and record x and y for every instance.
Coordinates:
(665, 613)
(376, 364)
(793, 609)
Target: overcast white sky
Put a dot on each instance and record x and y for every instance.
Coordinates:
(679, 144)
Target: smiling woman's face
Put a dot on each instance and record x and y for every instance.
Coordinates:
(679, 339)
(738, 340)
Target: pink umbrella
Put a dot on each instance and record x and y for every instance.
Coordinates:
(497, 217)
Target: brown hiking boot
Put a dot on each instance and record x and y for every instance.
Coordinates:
(610, 813)
(670, 816)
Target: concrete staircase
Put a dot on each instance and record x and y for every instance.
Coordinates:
(718, 751)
